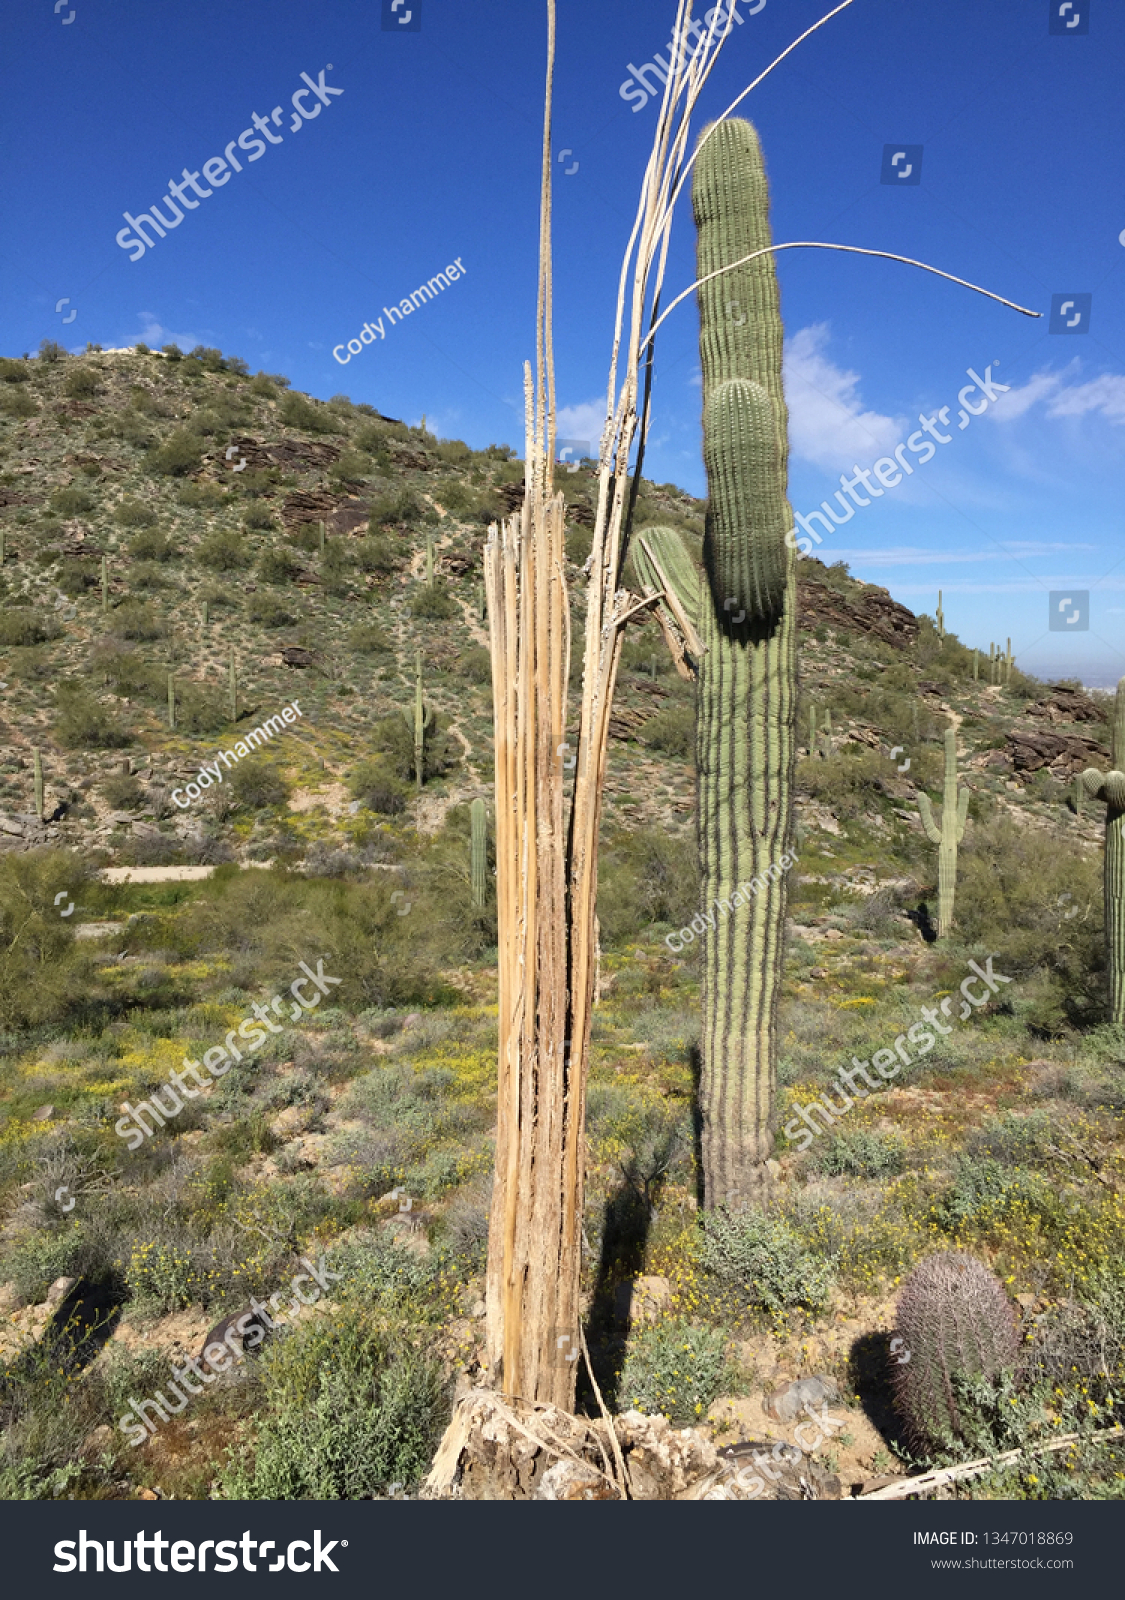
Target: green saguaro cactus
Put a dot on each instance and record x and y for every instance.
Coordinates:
(430, 560)
(171, 701)
(478, 853)
(232, 688)
(39, 785)
(954, 810)
(940, 620)
(419, 719)
(747, 698)
(105, 583)
(1110, 787)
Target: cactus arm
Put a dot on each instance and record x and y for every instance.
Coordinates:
(1093, 783)
(962, 814)
(662, 563)
(933, 832)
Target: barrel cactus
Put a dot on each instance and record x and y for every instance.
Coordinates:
(954, 810)
(953, 1321)
(1110, 788)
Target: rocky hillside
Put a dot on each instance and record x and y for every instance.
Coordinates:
(169, 519)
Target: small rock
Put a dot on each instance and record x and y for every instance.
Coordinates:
(59, 1290)
(789, 1403)
(44, 1114)
(479, 1309)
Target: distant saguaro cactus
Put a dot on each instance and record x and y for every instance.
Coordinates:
(105, 583)
(419, 719)
(232, 688)
(478, 852)
(1110, 787)
(171, 701)
(940, 619)
(954, 810)
(954, 1321)
(39, 785)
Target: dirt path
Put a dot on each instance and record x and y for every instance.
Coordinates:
(165, 874)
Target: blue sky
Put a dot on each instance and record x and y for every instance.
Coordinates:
(431, 154)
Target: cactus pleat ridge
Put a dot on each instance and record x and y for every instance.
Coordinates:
(1110, 788)
(747, 696)
(478, 852)
(954, 811)
(747, 511)
(955, 1321)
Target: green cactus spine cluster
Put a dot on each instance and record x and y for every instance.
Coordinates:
(39, 785)
(419, 719)
(954, 1321)
(747, 699)
(1110, 788)
(954, 810)
(478, 853)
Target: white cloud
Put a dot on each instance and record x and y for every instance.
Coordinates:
(153, 332)
(1060, 398)
(828, 424)
(583, 422)
(1105, 394)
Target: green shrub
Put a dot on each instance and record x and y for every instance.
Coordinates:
(81, 384)
(368, 639)
(257, 516)
(177, 456)
(673, 731)
(400, 506)
(253, 785)
(260, 385)
(269, 611)
(278, 566)
(75, 577)
(349, 468)
(454, 451)
(675, 1368)
(392, 738)
(223, 550)
(122, 792)
(862, 1154)
(18, 404)
(151, 545)
(71, 502)
(475, 663)
(433, 602)
(134, 514)
(646, 876)
(50, 352)
(762, 1262)
(296, 412)
(134, 620)
(352, 1412)
(376, 554)
(13, 371)
(378, 788)
(202, 496)
(83, 723)
(21, 625)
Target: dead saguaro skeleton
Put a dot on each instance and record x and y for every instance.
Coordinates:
(546, 846)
